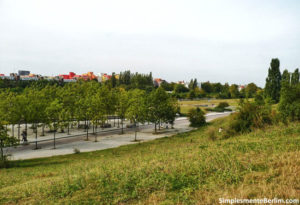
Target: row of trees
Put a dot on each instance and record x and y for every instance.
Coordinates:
(208, 89)
(57, 107)
(275, 80)
(129, 81)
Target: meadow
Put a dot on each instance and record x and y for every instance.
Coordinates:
(186, 105)
(188, 168)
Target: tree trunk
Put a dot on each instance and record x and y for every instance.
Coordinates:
(68, 128)
(87, 134)
(1, 148)
(118, 123)
(13, 130)
(43, 129)
(155, 127)
(54, 139)
(19, 131)
(36, 146)
(135, 133)
(159, 125)
(122, 126)
(96, 137)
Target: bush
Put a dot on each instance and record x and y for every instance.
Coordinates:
(248, 117)
(220, 108)
(196, 117)
(223, 105)
(289, 105)
(76, 151)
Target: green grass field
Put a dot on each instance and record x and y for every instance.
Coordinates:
(185, 106)
(187, 168)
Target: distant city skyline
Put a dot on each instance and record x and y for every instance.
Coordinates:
(218, 41)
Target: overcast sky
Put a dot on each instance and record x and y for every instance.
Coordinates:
(217, 40)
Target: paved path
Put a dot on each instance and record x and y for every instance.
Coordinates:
(105, 141)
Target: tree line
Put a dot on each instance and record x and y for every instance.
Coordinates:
(211, 90)
(58, 107)
(128, 81)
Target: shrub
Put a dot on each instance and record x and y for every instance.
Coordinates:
(223, 105)
(76, 151)
(249, 116)
(289, 105)
(220, 108)
(196, 117)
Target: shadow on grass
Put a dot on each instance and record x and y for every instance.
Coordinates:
(32, 163)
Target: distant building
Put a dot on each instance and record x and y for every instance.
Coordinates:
(23, 72)
(158, 81)
(105, 77)
(241, 87)
(2, 76)
(65, 77)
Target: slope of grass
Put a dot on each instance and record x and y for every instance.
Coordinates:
(188, 168)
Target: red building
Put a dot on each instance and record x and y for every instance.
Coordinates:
(70, 76)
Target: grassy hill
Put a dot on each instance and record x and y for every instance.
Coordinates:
(188, 168)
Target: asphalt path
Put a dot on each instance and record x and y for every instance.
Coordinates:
(106, 139)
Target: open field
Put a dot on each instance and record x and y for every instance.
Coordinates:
(185, 106)
(188, 168)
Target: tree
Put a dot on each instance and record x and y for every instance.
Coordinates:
(136, 111)
(234, 91)
(167, 86)
(180, 88)
(207, 87)
(295, 77)
(158, 105)
(250, 90)
(5, 140)
(192, 94)
(122, 106)
(113, 80)
(289, 104)
(286, 78)
(272, 87)
(55, 114)
(196, 117)
(193, 84)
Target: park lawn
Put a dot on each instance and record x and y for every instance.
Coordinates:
(187, 168)
(185, 106)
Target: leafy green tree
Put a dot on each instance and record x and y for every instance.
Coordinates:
(180, 88)
(193, 84)
(196, 117)
(289, 104)
(251, 90)
(192, 94)
(5, 140)
(167, 86)
(136, 111)
(295, 77)
(234, 91)
(207, 87)
(122, 106)
(272, 87)
(113, 80)
(157, 106)
(286, 78)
